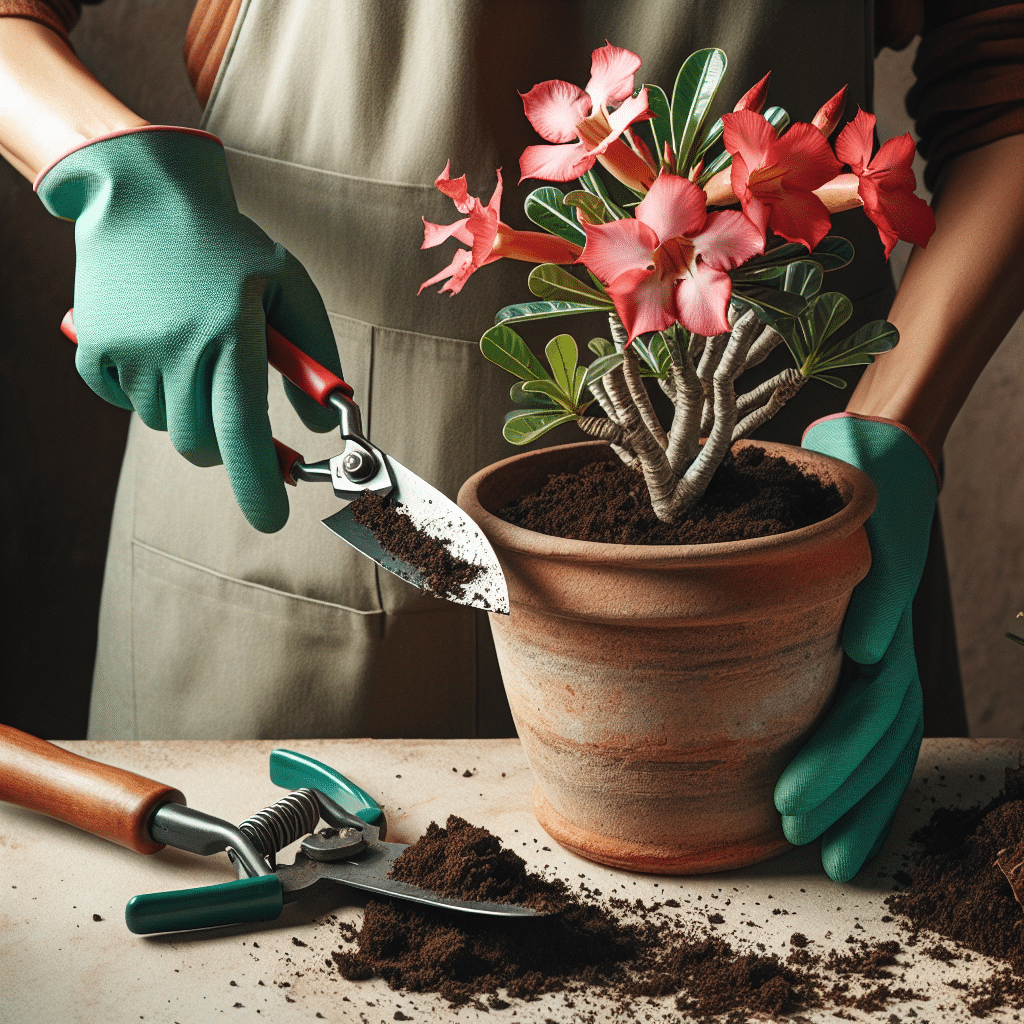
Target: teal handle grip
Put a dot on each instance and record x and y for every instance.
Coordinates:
(295, 771)
(246, 899)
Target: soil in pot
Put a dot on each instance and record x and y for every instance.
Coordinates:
(752, 494)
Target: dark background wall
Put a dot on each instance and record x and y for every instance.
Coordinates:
(63, 445)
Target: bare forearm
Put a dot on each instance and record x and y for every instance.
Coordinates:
(958, 297)
(49, 101)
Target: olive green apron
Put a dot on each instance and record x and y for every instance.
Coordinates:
(337, 118)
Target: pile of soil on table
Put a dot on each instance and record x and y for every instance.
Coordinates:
(752, 494)
(959, 891)
(625, 952)
(446, 575)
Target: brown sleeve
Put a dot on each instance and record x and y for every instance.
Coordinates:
(60, 15)
(970, 79)
(206, 40)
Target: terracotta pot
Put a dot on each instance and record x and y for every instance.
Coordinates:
(659, 691)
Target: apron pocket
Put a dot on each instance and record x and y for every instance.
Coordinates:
(229, 659)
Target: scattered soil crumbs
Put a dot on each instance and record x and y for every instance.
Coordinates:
(446, 575)
(626, 952)
(957, 890)
(752, 494)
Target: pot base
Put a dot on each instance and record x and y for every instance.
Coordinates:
(651, 858)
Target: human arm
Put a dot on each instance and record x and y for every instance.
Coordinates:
(956, 302)
(173, 286)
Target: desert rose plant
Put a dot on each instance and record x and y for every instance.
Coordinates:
(706, 253)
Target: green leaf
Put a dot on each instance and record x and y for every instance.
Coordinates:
(695, 88)
(592, 183)
(601, 347)
(720, 162)
(526, 425)
(550, 389)
(593, 206)
(562, 354)
(661, 124)
(769, 303)
(547, 208)
(824, 315)
(602, 365)
(836, 382)
(859, 348)
(832, 253)
(523, 311)
(802, 278)
(550, 281)
(713, 134)
(777, 118)
(520, 396)
(503, 347)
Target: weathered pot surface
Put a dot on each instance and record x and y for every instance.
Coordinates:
(659, 691)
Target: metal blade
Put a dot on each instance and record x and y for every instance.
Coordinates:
(437, 516)
(368, 871)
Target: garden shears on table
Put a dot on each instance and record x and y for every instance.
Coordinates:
(144, 816)
(362, 467)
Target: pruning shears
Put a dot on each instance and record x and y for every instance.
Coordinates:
(362, 467)
(144, 816)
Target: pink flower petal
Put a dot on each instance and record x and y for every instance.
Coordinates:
(807, 158)
(750, 135)
(555, 163)
(728, 239)
(618, 247)
(674, 206)
(634, 109)
(702, 298)
(830, 113)
(643, 301)
(753, 99)
(897, 213)
(611, 75)
(435, 234)
(458, 270)
(855, 141)
(894, 159)
(554, 109)
(799, 217)
(455, 189)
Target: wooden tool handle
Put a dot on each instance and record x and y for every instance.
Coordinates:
(109, 802)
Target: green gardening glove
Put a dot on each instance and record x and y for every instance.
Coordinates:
(847, 782)
(173, 292)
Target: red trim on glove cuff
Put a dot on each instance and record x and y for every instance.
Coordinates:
(892, 423)
(113, 135)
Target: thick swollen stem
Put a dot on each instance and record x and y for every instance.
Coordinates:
(767, 341)
(605, 430)
(713, 349)
(634, 382)
(694, 482)
(688, 399)
(786, 385)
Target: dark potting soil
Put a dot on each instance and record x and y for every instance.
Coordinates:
(446, 575)
(959, 891)
(752, 494)
(622, 951)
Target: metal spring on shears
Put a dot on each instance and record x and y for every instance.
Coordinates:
(292, 817)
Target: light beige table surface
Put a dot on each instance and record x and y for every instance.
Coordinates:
(59, 964)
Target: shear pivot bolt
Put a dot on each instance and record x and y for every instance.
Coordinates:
(359, 465)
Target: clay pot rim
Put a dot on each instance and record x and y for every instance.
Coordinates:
(855, 485)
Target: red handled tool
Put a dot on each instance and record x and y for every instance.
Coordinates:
(361, 466)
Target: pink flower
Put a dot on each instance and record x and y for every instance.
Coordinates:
(886, 184)
(488, 238)
(774, 177)
(583, 125)
(669, 264)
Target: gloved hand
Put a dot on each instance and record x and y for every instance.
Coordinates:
(173, 290)
(847, 782)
